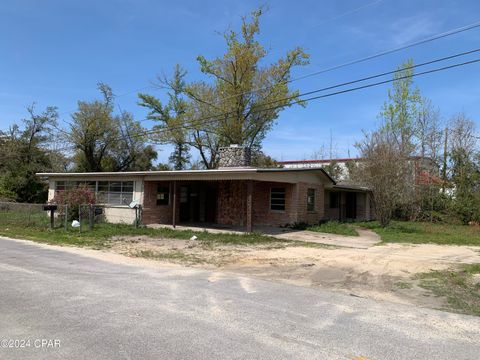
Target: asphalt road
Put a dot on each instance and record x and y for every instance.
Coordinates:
(95, 309)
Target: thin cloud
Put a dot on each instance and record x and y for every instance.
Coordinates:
(413, 28)
(347, 13)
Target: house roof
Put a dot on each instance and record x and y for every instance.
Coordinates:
(350, 187)
(265, 174)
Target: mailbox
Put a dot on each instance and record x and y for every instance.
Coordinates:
(50, 207)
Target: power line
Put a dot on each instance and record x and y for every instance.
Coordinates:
(211, 119)
(152, 131)
(391, 51)
(217, 117)
(329, 69)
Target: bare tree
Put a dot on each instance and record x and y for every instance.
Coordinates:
(462, 133)
(385, 171)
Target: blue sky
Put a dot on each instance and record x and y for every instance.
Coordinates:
(54, 53)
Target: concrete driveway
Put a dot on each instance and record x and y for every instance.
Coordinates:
(103, 310)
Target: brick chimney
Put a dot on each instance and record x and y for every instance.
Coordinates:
(234, 156)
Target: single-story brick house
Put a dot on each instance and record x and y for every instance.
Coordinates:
(235, 194)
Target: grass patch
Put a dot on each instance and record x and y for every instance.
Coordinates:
(425, 232)
(100, 236)
(173, 256)
(460, 287)
(334, 227)
(402, 285)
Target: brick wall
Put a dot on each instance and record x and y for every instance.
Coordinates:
(153, 213)
(232, 206)
(262, 215)
(303, 215)
(231, 202)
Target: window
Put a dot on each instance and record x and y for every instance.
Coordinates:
(311, 200)
(334, 200)
(277, 199)
(106, 192)
(163, 195)
(60, 185)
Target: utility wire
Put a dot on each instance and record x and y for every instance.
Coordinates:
(391, 51)
(220, 116)
(297, 100)
(329, 69)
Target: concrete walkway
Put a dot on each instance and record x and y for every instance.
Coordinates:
(366, 238)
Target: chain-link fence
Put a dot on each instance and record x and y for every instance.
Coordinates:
(80, 217)
(29, 215)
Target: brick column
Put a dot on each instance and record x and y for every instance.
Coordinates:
(249, 206)
(174, 212)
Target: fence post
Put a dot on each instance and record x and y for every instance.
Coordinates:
(136, 217)
(80, 217)
(90, 218)
(66, 217)
(52, 220)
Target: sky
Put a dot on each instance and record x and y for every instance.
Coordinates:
(55, 52)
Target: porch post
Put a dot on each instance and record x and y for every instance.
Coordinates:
(174, 207)
(249, 206)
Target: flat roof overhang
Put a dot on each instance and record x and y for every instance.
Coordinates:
(269, 174)
(349, 188)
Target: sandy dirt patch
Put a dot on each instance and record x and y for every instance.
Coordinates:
(380, 272)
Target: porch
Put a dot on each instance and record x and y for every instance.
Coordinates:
(241, 204)
(344, 203)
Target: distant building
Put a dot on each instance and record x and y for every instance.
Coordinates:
(423, 169)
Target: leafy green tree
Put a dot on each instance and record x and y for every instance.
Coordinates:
(172, 118)
(466, 180)
(401, 111)
(24, 152)
(241, 98)
(261, 160)
(105, 141)
(464, 174)
(387, 168)
(94, 131)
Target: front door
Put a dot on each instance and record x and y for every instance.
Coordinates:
(184, 204)
(210, 204)
(189, 203)
(351, 205)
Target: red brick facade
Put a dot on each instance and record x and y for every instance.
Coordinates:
(231, 203)
(153, 213)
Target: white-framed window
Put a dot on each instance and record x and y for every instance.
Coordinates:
(277, 198)
(310, 199)
(106, 192)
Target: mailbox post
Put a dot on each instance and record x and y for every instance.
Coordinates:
(52, 209)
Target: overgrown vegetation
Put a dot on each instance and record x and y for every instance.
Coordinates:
(425, 232)
(460, 287)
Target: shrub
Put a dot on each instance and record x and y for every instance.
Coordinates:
(73, 199)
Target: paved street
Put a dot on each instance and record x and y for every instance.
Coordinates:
(103, 310)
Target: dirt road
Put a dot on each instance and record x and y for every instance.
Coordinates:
(384, 272)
